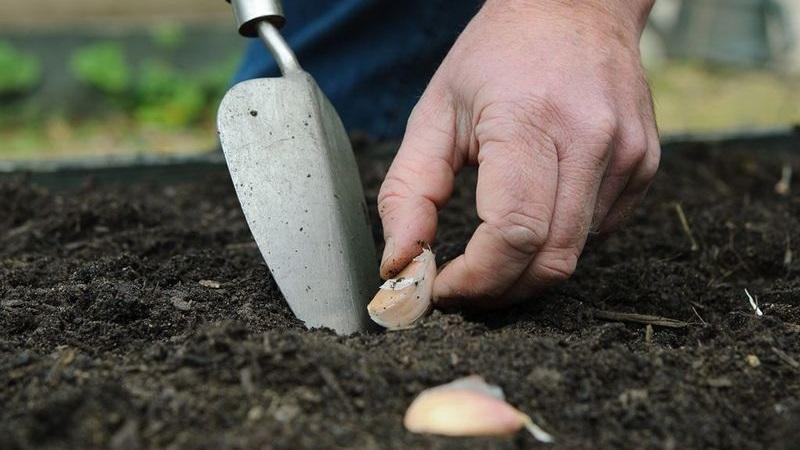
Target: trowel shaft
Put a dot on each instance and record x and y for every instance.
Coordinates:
(264, 18)
(277, 45)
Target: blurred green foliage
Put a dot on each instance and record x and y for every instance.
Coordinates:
(19, 72)
(164, 96)
(168, 35)
(155, 92)
(103, 67)
(124, 104)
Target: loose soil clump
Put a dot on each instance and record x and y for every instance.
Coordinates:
(143, 317)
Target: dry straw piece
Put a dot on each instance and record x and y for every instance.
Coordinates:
(468, 407)
(403, 301)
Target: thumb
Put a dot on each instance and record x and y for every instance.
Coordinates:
(418, 184)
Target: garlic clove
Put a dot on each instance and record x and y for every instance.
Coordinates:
(402, 301)
(476, 383)
(460, 412)
(468, 407)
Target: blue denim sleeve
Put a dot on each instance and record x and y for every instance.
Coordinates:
(372, 58)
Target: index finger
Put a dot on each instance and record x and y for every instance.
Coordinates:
(418, 184)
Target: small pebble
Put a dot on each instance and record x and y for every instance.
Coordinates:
(180, 304)
(721, 382)
(210, 284)
(255, 413)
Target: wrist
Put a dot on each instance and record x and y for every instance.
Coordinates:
(627, 17)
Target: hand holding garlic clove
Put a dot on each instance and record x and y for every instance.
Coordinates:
(403, 301)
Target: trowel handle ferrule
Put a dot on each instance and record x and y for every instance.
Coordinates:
(263, 18)
(249, 13)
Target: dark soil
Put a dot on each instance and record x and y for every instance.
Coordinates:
(111, 335)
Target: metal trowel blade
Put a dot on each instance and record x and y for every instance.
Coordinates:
(293, 168)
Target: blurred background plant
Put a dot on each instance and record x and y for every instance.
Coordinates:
(103, 67)
(94, 77)
(153, 93)
(19, 72)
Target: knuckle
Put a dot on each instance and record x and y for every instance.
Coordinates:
(523, 123)
(592, 143)
(649, 168)
(634, 143)
(392, 186)
(386, 206)
(429, 179)
(651, 162)
(601, 126)
(430, 106)
(630, 154)
(557, 266)
(431, 125)
(392, 191)
(524, 233)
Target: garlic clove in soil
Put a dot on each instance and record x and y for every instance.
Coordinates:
(403, 301)
(468, 407)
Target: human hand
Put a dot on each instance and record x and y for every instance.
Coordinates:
(548, 98)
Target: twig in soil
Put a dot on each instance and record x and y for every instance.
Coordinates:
(640, 318)
(697, 305)
(718, 281)
(783, 187)
(246, 379)
(698, 316)
(718, 183)
(20, 230)
(648, 334)
(786, 358)
(787, 255)
(754, 304)
(685, 226)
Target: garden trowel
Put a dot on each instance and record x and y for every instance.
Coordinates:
(297, 180)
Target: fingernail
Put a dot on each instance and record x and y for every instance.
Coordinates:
(388, 251)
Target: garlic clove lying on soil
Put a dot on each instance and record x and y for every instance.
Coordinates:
(468, 407)
(404, 300)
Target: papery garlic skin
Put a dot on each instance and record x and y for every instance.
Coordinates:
(404, 300)
(468, 407)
